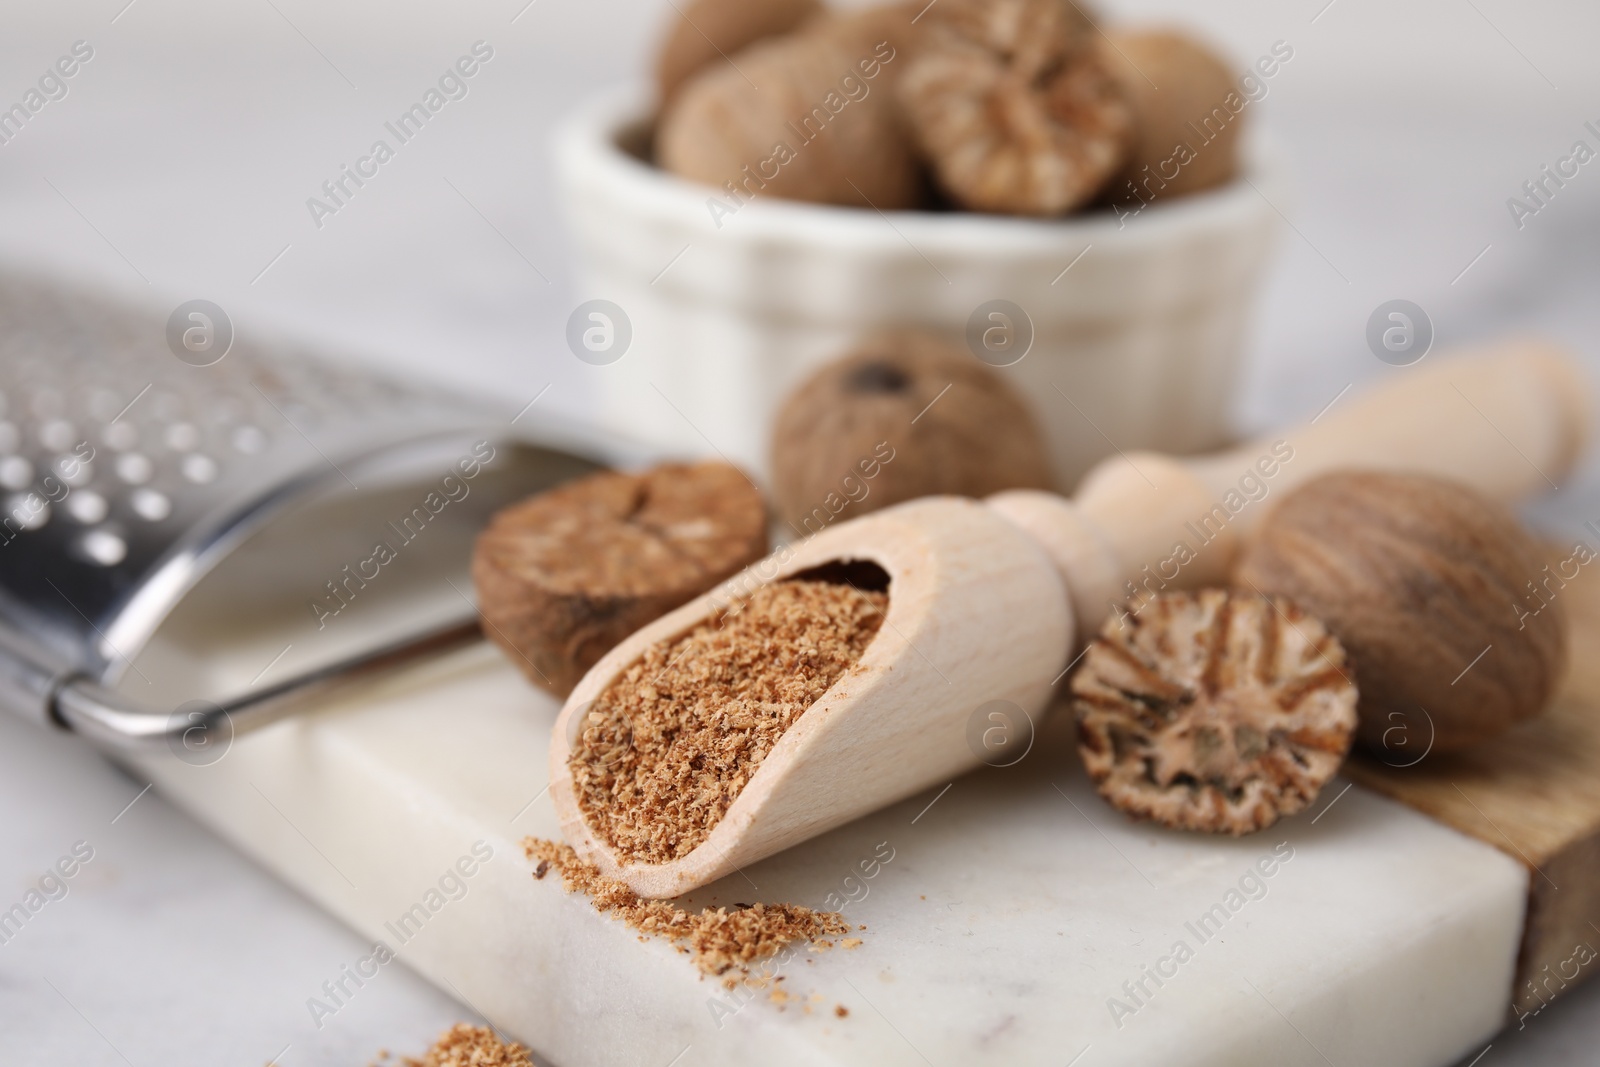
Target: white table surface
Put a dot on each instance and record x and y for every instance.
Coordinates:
(178, 166)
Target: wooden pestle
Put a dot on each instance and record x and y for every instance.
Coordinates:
(1509, 420)
(989, 600)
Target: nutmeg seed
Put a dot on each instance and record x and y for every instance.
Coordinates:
(709, 31)
(808, 116)
(1213, 711)
(894, 24)
(1424, 583)
(904, 414)
(1013, 107)
(565, 575)
(1187, 114)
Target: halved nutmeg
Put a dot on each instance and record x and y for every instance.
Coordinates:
(565, 575)
(1015, 109)
(1214, 711)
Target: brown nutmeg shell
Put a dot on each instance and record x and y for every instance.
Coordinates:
(703, 32)
(904, 414)
(865, 29)
(1426, 584)
(809, 116)
(563, 576)
(1188, 114)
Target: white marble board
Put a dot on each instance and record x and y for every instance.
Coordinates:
(1014, 909)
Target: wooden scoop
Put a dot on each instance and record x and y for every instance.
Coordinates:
(989, 600)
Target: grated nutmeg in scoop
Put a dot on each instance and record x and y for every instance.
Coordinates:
(1214, 711)
(668, 746)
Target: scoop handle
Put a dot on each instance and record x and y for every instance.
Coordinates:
(1509, 420)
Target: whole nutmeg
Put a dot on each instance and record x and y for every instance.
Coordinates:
(866, 27)
(1426, 584)
(1187, 114)
(705, 31)
(904, 414)
(810, 116)
(1014, 107)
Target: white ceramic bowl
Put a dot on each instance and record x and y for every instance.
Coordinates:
(1135, 346)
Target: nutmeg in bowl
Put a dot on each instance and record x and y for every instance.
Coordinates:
(1116, 326)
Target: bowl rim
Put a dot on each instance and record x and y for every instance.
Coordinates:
(589, 158)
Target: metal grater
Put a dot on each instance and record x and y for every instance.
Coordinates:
(165, 526)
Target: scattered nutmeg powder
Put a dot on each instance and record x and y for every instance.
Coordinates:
(668, 746)
(464, 1045)
(721, 941)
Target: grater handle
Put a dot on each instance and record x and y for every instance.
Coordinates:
(110, 720)
(30, 676)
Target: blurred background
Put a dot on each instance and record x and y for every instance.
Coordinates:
(178, 165)
(180, 162)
